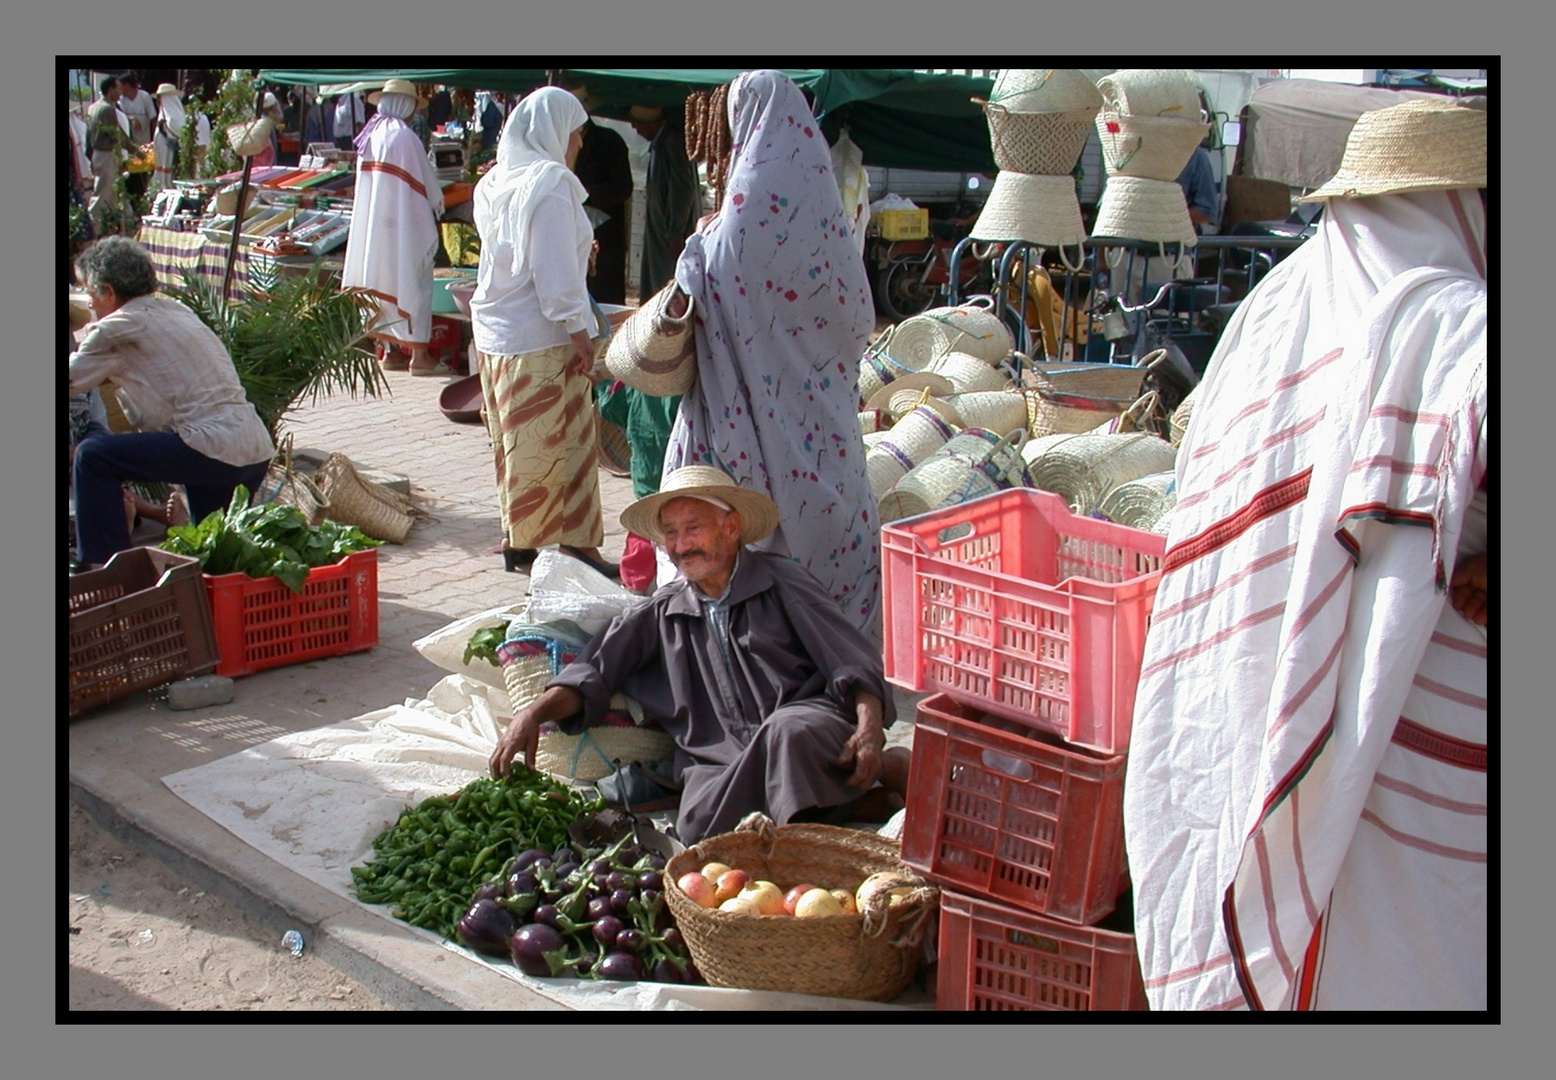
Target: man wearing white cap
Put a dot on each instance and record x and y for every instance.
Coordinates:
(394, 234)
(1306, 800)
(776, 702)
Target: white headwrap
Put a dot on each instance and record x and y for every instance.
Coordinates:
(172, 109)
(531, 161)
(399, 106)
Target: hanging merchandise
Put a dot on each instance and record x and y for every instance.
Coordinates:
(1149, 125)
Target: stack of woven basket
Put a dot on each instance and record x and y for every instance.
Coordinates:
(1039, 120)
(1149, 124)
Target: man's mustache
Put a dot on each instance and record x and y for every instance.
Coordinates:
(691, 555)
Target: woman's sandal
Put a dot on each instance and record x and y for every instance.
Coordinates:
(513, 559)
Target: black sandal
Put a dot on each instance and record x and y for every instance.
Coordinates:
(515, 558)
(610, 570)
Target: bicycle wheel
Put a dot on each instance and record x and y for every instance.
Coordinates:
(900, 292)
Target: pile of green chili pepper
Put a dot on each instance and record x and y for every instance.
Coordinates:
(434, 857)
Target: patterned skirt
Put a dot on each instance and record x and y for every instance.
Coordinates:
(542, 423)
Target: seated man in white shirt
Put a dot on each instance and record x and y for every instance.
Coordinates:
(176, 383)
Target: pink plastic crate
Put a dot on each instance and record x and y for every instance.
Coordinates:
(1012, 603)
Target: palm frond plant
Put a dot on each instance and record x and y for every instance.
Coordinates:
(292, 337)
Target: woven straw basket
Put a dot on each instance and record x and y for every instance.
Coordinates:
(968, 374)
(1151, 92)
(1179, 425)
(1088, 380)
(975, 463)
(905, 401)
(591, 755)
(873, 420)
(912, 439)
(1036, 90)
(378, 511)
(1040, 143)
(993, 410)
(971, 329)
(615, 450)
(1137, 208)
(866, 956)
(653, 352)
(1150, 147)
(1142, 503)
(1050, 413)
(1084, 469)
(285, 485)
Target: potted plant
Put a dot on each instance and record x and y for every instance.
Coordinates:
(292, 337)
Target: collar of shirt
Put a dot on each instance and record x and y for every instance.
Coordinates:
(747, 579)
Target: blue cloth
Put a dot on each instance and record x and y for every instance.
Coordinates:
(1198, 181)
(105, 463)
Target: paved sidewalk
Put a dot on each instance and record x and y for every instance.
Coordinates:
(120, 752)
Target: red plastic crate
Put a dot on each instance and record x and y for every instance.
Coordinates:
(139, 621)
(261, 624)
(993, 957)
(1015, 604)
(1009, 817)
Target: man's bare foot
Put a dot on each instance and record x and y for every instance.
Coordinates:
(894, 769)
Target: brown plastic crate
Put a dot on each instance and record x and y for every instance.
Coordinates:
(140, 621)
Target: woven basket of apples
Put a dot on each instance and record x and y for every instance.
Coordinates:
(805, 909)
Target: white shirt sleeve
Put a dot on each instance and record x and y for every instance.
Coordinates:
(554, 261)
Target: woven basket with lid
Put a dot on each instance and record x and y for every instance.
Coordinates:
(867, 956)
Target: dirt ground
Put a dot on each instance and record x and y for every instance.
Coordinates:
(141, 938)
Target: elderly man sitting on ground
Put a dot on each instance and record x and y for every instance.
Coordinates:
(775, 701)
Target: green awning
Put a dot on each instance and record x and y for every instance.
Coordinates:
(900, 118)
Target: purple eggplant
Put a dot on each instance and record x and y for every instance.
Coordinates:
(675, 941)
(537, 949)
(631, 940)
(492, 890)
(608, 930)
(620, 966)
(546, 915)
(600, 867)
(564, 855)
(487, 927)
(691, 975)
(527, 859)
(621, 902)
(651, 879)
(618, 880)
(521, 882)
(665, 971)
(599, 908)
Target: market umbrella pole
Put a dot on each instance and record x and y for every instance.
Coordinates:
(243, 195)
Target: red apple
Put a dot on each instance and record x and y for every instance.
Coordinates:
(698, 889)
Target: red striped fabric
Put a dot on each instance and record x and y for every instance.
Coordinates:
(1445, 748)
(395, 170)
(1279, 496)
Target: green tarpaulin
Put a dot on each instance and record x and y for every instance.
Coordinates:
(901, 119)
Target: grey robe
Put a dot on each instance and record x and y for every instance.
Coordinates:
(760, 734)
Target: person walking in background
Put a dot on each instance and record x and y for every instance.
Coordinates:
(170, 129)
(106, 141)
(394, 232)
(1311, 832)
(605, 170)
(350, 115)
(533, 327)
(784, 310)
(140, 108)
(672, 196)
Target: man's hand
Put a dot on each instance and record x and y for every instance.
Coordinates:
(863, 749)
(583, 354)
(594, 256)
(522, 736)
(1467, 590)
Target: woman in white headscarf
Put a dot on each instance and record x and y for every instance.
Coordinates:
(533, 323)
(394, 232)
(169, 129)
(784, 313)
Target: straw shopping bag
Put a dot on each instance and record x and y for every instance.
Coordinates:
(870, 955)
(285, 485)
(1041, 144)
(249, 137)
(976, 462)
(376, 510)
(654, 352)
(1084, 469)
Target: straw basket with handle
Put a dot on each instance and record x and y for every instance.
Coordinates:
(250, 137)
(588, 756)
(870, 955)
(971, 328)
(285, 485)
(1151, 92)
(653, 351)
(1179, 424)
(1147, 147)
(380, 512)
(1142, 503)
(911, 439)
(1084, 469)
(975, 463)
(968, 374)
(1037, 143)
(1044, 90)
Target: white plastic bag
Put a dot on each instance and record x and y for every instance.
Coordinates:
(562, 587)
(446, 647)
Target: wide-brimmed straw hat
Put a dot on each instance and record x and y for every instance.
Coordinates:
(397, 86)
(1420, 145)
(1041, 210)
(168, 88)
(937, 385)
(758, 513)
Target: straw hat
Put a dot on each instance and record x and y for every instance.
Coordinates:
(1420, 145)
(397, 86)
(168, 88)
(1038, 90)
(758, 513)
(1134, 208)
(1151, 92)
(1042, 210)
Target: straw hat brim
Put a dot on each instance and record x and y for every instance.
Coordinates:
(169, 88)
(1134, 208)
(1415, 146)
(397, 86)
(1038, 209)
(758, 513)
(937, 385)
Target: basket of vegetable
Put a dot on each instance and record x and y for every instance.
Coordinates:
(806, 909)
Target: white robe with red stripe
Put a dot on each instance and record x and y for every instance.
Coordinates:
(394, 238)
(1309, 735)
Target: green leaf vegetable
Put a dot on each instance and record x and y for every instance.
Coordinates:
(272, 540)
(483, 644)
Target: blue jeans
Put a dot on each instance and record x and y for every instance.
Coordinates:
(105, 463)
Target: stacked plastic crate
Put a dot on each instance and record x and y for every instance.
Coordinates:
(1026, 623)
